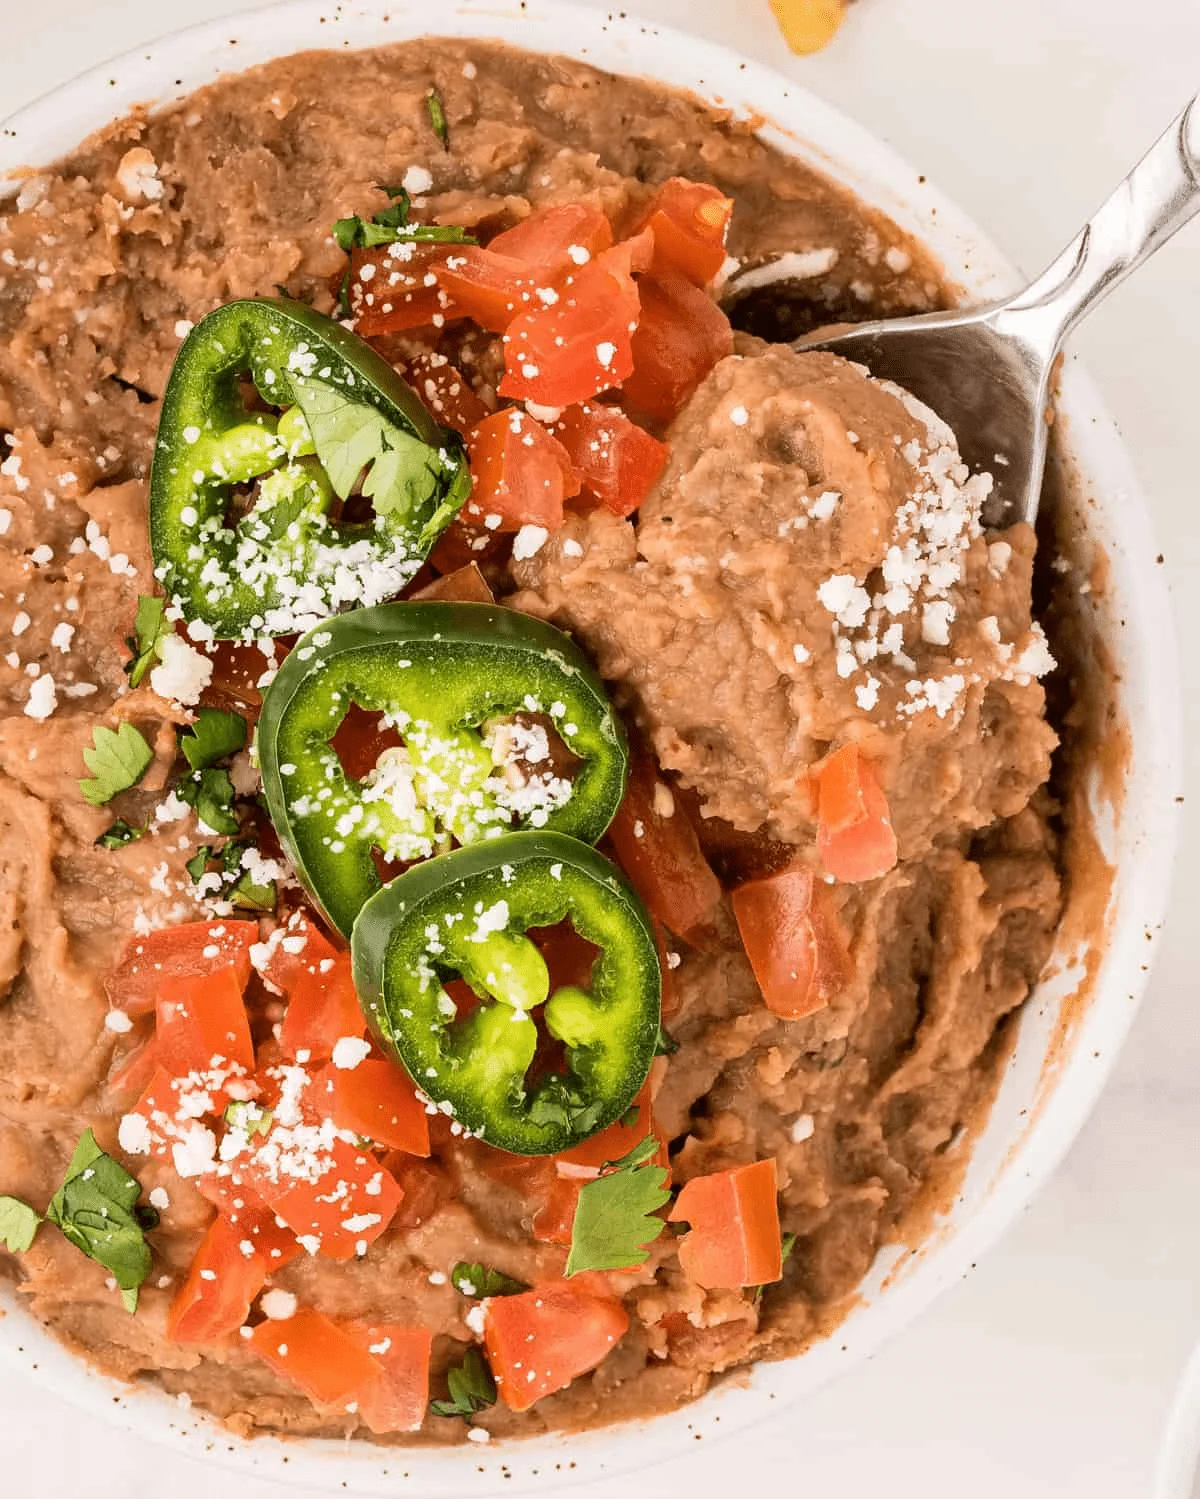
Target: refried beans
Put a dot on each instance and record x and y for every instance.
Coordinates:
(809, 571)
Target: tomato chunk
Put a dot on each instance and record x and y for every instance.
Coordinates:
(322, 1009)
(657, 848)
(582, 344)
(490, 287)
(549, 235)
(689, 221)
(237, 669)
(136, 1069)
(195, 948)
(617, 461)
(398, 1400)
(342, 1199)
(682, 333)
(539, 1341)
(395, 287)
(318, 1356)
(444, 389)
(375, 1099)
(518, 472)
(734, 1238)
(466, 585)
(224, 1278)
(302, 963)
(855, 836)
(793, 940)
(202, 1023)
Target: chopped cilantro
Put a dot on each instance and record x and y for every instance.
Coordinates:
(666, 1044)
(787, 1244)
(197, 865)
(615, 1217)
(482, 1280)
(96, 1209)
(391, 224)
(251, 1118)
(214, 736)
(210, 793)
(119, 833)
(18, 1224)
(150, 629)
(437, 118)
(238, 886)
(117, 760)
(472, 1388)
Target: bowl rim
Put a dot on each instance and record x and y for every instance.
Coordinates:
(789, 116)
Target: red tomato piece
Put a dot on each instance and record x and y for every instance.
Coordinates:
(202, 1023)
(395, 287)
(582, 344)
(445, 390)
(135, 1070)
(539, 1341)
(734, 1236)
(689, 221)
(322, 1009)
(657, 848)
(398, 1400)
(493, 288)
(375, 1099)
(342, 1200)
(466, 585)
(617, 461)
(157, 1106)
(231, 1267)
(318, 1356)
(196, 947)
(548, 236)
(462, 544)
(236, 672)
(682, 333)
(360, 739)
(793, 940)
(855, 836)
(518, 472)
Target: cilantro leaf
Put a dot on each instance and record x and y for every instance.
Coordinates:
(350, 437)
(18, 1224)
(238, 884)
(251, 1118)
(472, 1388)
(615, 1217)
(150, 629)
(119, 833)
(197, 865)
(210, 793)
(482, 1280)
(96, 1210)
(437, 118)
(391, 224)
(117, 761)
(214, 736)
(787, 1244)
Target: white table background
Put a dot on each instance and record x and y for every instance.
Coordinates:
(1051, 1371)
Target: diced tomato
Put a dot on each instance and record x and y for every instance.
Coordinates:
(855, 836)
(793, 940)
(323, 1008)
(518, 472)
(668, 961)
(617, 461)
(582, 344)
(398, 1400)
(657, 848)
(537, 1342)
(319, 1356)
(425, 1186)
(462, 544)
(375, 1099)
(237, 669)
(157, 1106)
(234, 1200)
(493, 288)
(569, 957)
(351, 1201)
(681, 334)
(136, 1070)
(202, 1022)
(400, 289)
(358, 742)
(196, 947)
(230, 1269)
(444, 389)
(548, 236)
(689, 221)
(466, 585)
(734, 1227)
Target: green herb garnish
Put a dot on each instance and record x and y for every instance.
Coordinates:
(391, 225)
(615, 1217)
(150, 628)
(119, 834)
(209, 793)
(19, 1224)
(238, 885)
(96, 1209)
(117, 760)
(787, 1244)
(472, 1388)
(251, 1118)
(481, 1280)
(437, 118)
(666, 1044)
(214, 736)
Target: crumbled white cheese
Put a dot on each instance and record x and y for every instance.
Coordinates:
(349, 1051)
(278, 1305)
(43, 697)
(183, 672)
(528, 542)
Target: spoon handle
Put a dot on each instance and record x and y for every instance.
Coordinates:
(1158, 197)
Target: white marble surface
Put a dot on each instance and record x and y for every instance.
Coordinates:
(1052, 1369)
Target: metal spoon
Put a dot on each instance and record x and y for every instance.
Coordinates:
(988, 373)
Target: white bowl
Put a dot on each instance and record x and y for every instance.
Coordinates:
(1065, 1046)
